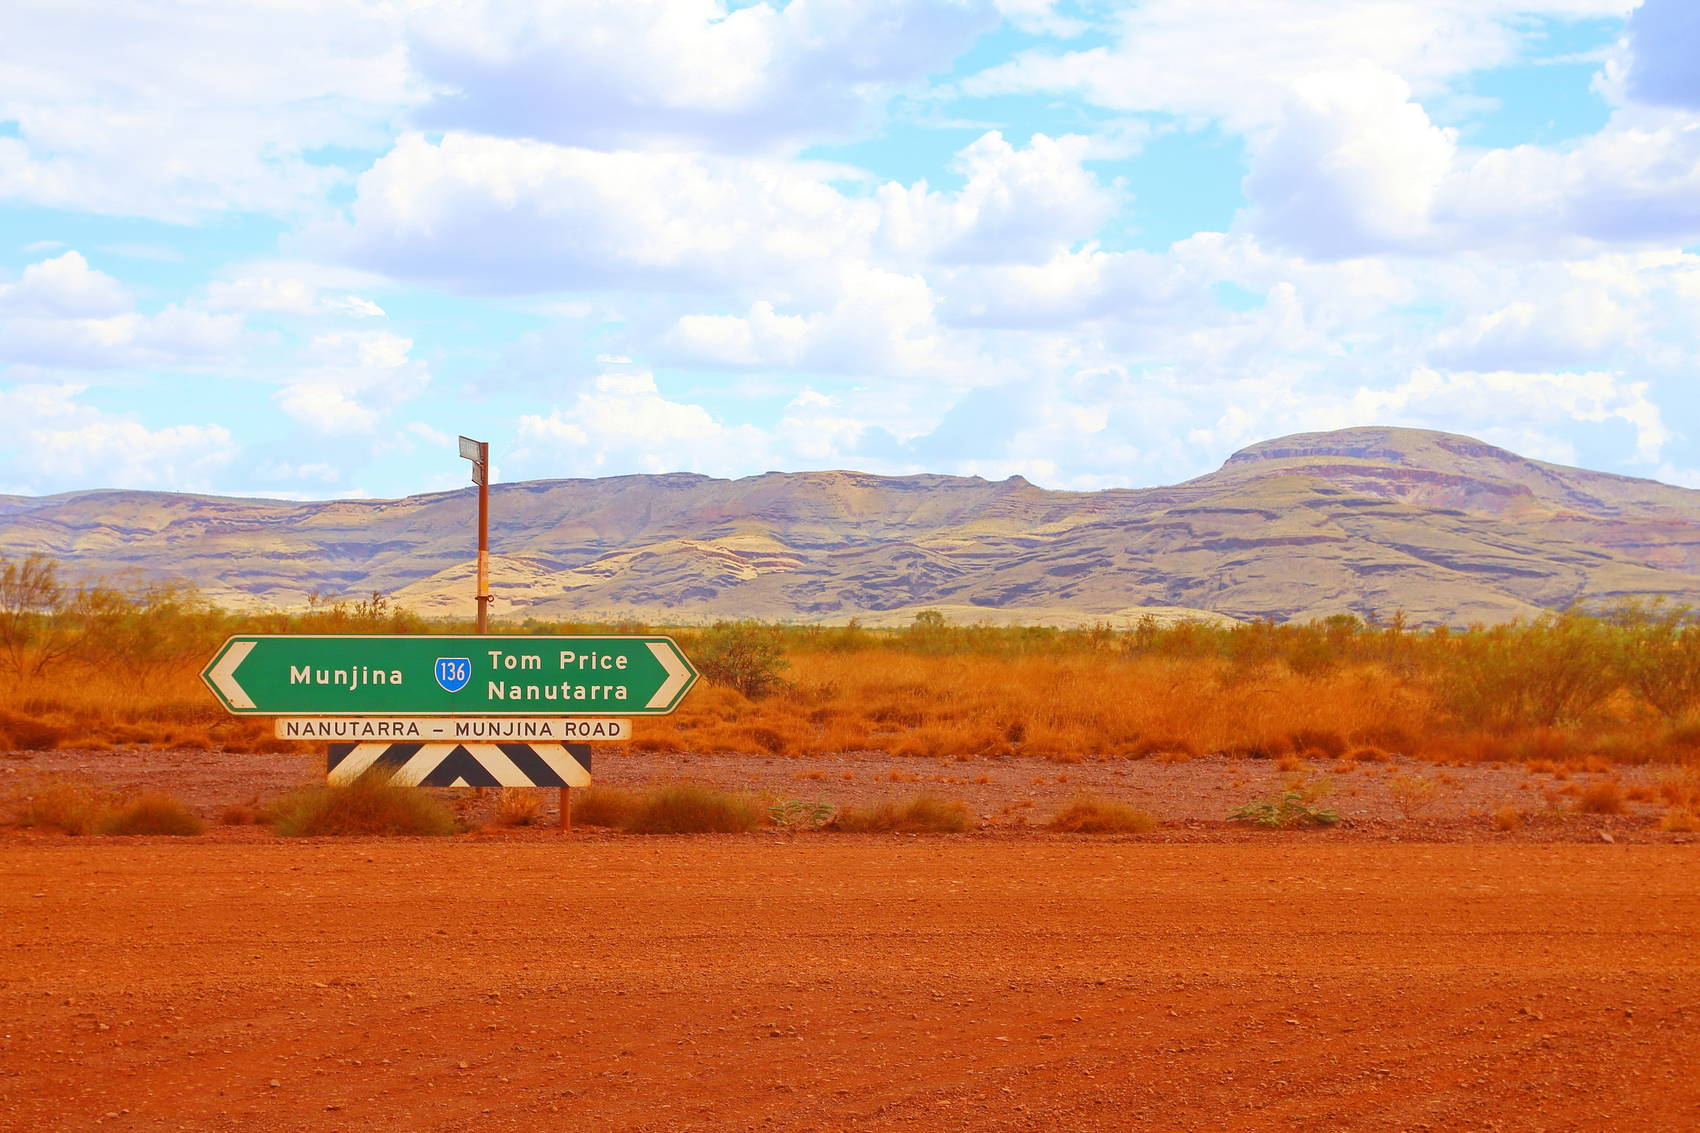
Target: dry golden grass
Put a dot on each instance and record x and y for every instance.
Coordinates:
(519, 806)
(1287, 693)
(1603, 798)
(919, 814)
(23, 733)
(602, 806)
(1507, 818)
(1062, 708)
(1681, 788)
(1412, 794)
(1093, 814)
(72, 806)
(241, 814)
(153, 812)
(372, 804)
(694, 808)
(1680, 820)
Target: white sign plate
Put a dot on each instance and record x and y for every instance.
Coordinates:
(425, 729)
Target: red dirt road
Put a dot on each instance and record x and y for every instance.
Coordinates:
(833, 982)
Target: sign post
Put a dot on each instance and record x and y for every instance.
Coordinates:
(479, 453)
(489, 698)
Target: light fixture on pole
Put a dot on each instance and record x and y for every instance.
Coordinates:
(479, 453)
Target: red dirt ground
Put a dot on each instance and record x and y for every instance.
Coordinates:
(1193, 796)
(769, 982)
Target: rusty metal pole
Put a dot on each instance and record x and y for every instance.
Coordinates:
(567, 809)
(479, 453)
(483, 469)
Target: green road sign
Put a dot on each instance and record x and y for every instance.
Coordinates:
(482, 675)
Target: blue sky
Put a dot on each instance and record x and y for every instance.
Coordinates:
(294, 249)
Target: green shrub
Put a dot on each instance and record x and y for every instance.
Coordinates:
(1659, 654)
(800, 814)
(920, 814)
(372, 804)
(154, 812)
(1091, 814)
(1555, 670)
(691, 808)
(747, 656)
(1293, 805)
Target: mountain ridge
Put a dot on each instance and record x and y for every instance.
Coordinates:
(1448, 528)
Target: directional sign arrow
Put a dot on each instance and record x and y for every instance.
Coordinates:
(679, 673)
(222, 674)
(461, 675)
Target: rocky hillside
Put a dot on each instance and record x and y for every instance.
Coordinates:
(1368, 521)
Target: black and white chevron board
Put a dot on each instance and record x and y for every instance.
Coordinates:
(465, 765)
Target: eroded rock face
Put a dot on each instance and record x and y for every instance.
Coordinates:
(1368, 521)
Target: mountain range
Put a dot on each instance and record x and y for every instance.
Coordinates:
(1367, 521)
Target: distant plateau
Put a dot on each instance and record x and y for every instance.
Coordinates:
(1365, 521)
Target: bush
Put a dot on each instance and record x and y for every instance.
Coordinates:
(1659, 655)
(1412, 794)
(1331, 744)
(519, 806)
(603, 806)
(920, 814)
(154, 812)
(1603, 798)
(1091, 814)
(20, 733)
(70, 805)
(691, 808)
(1679, 820)
(1539, 675)
(1295, 805)
(372, 804)
(801, 814)
(241, 814)
(747, 656)
(1507, 818)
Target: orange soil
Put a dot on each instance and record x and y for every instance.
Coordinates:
(846, 983)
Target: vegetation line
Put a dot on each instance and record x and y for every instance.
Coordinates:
(102, 665)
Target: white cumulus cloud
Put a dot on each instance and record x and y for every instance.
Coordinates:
(624, 423)
(683, 73)
(490, 214)
(287, 295)
(177, 110)
(1235, 60)
(63, 313)
(58, 442)
(1017, 205)
(352, 382)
